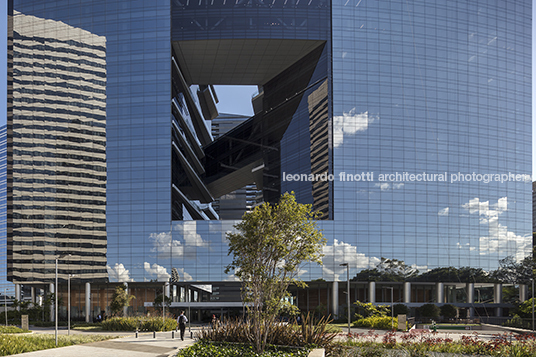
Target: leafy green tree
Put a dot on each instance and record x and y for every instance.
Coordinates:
(430, 311)
(456, 275)
(365, 309)
(271, 243)
(157, 303)
(400, 309)
(120, 299)
(388, 270)
(525, 309)
(448, 311)
(513, 272)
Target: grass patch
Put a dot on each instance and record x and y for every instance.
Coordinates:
(12, 329)
(222, 349)
(88, 328)
(454, 325)
(13, 344)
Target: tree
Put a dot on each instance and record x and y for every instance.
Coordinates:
(456, 275)
(369, 309)
(448, 311)
(400, 309)
(430, 311)
(157, 304)
(120, 299)
(513, 272)
(388, 270)
(525, 309)
(271, 243)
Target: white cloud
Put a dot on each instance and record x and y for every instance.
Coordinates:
(191, 237)
(443, 212)
(231, 277)
(386, 186)
(185, 275)
(158, 270)
(486, 212)
(339, 253)
(499, 239)
(349, 124)
(165, 245)
(118, 273)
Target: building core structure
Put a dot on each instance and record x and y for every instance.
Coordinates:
(407, 124)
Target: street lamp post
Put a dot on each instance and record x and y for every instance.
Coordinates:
(164, 306)
(69, 303)
(392, 312)
(56, 298)
(532, 304)
(347, 291)
(5, 304)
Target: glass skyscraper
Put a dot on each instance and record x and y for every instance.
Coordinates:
(406, 123)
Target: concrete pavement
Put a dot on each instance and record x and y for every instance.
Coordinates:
(127, 345)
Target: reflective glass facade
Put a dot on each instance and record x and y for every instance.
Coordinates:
(5, 285)
(398, 101)
(434, 87)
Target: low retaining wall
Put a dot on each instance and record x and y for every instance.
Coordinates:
(318, 352)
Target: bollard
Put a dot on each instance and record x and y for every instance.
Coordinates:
(172, 335)
(154, 334)
(136, 333)
(191, 335)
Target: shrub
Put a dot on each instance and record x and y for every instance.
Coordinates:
(141, 323)
(220, 349)
(308, 333)
(377, 322)
(400, 309)
(369, 309)
(448, 311)
(430, 311)
(12, 329)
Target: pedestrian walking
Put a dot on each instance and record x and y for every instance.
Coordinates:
(181, 322)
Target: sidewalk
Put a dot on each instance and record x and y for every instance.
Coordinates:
(126, 346)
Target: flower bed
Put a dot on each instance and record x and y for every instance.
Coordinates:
(428, 344)
(222, 349)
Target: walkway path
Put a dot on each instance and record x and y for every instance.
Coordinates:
(126, 346)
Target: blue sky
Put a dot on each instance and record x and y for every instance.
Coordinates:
(233, 100)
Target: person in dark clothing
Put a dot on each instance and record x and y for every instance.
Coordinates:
(181, 322)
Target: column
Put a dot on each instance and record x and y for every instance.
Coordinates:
(407, 292)
(167, 290)
(335, 299)
(88, 302)
(125, 308)
(372, 291)
(440, 293)
(51, 291)
(17, 294)
(470, 287)
(32, 294)
(523, 292)
(497, 298)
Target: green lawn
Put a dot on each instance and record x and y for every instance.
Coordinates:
(13, 344)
